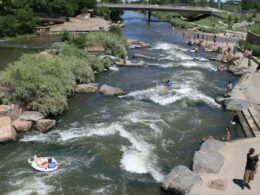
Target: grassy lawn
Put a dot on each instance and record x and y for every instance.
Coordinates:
(254, 28)
(231, 7)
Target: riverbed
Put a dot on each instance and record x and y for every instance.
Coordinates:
(127, 144)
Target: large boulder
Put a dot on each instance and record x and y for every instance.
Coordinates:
(111, 91)
(44, 125)
(31, 116)
(13, 111)
(207, 162)
(7, 132)
(236, 104)
(22, 126)
(211, 144)
(86, 88)
(180, 180)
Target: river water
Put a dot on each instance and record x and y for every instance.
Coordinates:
(127, 144)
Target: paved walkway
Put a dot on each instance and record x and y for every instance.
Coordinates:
(233, 170)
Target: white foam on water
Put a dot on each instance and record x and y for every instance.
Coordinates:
(101, 176)
(164, 95)
(167, 65)
(40, 137)
(33, 185)
(103, 190)
(139, 153)
(199, 64)
(162, 46)
(114, 68)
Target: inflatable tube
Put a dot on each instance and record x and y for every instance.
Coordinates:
(41, 169)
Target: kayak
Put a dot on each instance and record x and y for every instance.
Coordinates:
(49, 169)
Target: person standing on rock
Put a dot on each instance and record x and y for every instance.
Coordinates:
(251, 166)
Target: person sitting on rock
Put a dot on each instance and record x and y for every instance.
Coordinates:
(235, 119)
(227, 137)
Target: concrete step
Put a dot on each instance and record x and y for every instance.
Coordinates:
(250, 121)
(247, 130)
(255, 113)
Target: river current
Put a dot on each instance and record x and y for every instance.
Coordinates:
(127, 144)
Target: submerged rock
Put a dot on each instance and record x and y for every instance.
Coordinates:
(207, 162)
(45, 125)
(111, 91)
(7, 132)
(22, 126)
(86, 88)
(31, 116)
(13, 111)
(180, 180)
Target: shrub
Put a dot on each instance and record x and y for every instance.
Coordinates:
(103, 12)
(41, 83)
(80, 68)
(115, 30)
(254, 48)
(65, 36)
(210, 30)
(180, 23)
(109, 41)
(79, 41)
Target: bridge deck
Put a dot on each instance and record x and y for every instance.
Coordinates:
(140, 7)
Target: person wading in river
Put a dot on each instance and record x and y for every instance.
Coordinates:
(251, 167)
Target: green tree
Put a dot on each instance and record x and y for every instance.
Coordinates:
(26, 20)
(246, 4)
(229, 20)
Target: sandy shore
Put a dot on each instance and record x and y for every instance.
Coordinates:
(82, 25)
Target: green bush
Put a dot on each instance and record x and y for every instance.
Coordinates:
(116, 30)
(254, 48)
(211, 30)
(79, 41)
(180, 23)
(41, 83)
(80, 68)
(103, 12)
(109, 41)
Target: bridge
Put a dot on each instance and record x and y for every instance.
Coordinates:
(161, 8)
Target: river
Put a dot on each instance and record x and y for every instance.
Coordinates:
(124, 145)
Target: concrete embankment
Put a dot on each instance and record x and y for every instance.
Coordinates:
(232, 171)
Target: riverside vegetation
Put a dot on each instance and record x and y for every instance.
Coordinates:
(43, 82)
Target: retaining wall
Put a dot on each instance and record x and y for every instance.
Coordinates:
(253, 38)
